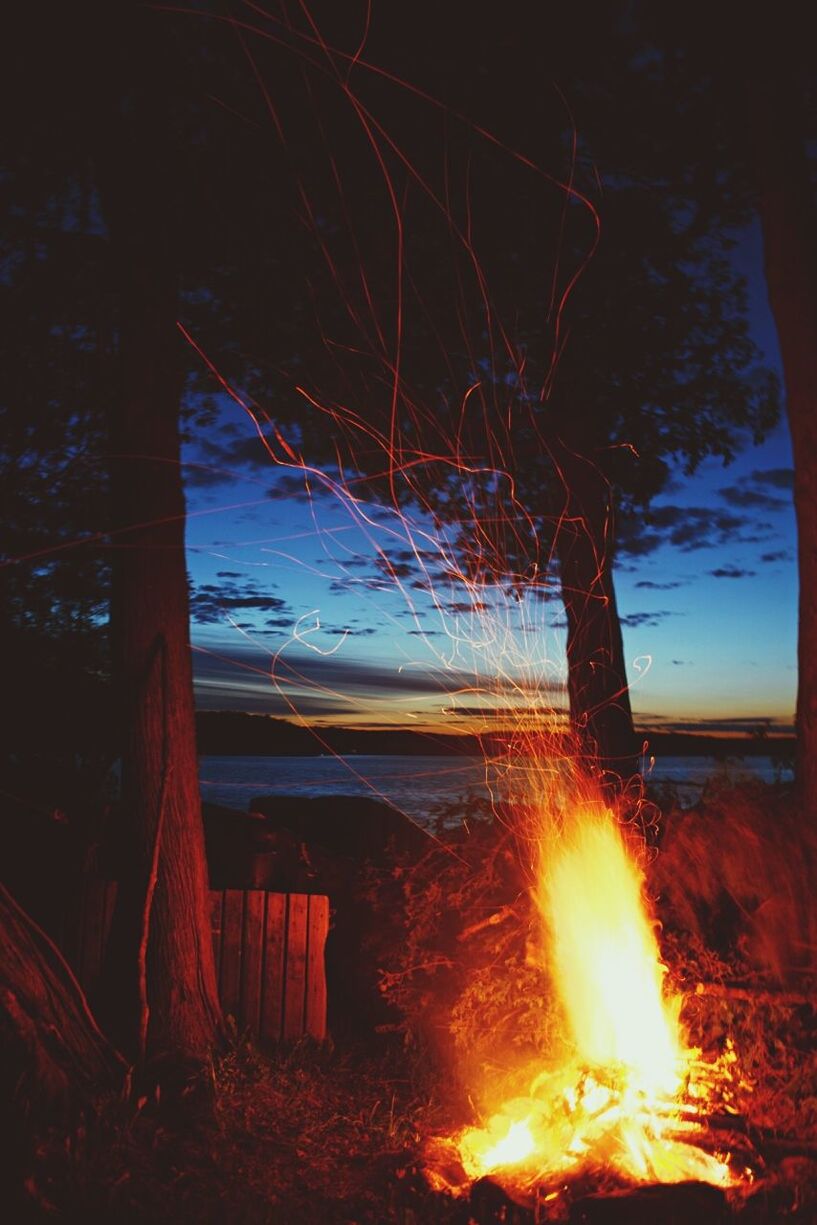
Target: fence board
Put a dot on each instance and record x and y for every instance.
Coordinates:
(318, 926)
(268, 949)
(253, 959)
(272, 994)
(295, 979)
(231, 933)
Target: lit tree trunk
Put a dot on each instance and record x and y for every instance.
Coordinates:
(789, 220)
(160, 967)
(53, 1053)
(600, 713)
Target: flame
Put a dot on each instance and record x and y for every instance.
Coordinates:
(624, 1096)
(604, 955)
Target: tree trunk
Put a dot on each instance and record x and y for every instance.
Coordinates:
(600, 713)
(159, 971)
(789, 222)
(55, 1058)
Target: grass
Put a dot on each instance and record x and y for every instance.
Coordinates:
(313, 1135)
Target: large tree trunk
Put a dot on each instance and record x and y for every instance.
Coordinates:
(56, 1066)
(54, 1056)
(789, 221)
(600, 712)
(160, 968)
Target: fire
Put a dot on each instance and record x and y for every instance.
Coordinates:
(624, 1096)
(604, 955)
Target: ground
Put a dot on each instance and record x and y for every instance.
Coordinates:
(333, 1135)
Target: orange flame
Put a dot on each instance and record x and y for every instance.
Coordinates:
(622, 1098)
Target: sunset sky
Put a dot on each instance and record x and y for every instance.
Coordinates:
(291, 583)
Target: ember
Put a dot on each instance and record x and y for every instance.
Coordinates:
(626, 1092)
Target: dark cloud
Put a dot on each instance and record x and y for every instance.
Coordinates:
(680, 663)
(229, 574)
(648, 585)
(778, 478)
(242, 675)
(465, 606)
(210, 602)
(747, 498)
(544, 593)
(482, 712)
(349, 632)
(777, 555)
(203, 476)
(730, 571)
(687, 528)
(294, 485)
(738, 725)
(395, 569)
(636, 619)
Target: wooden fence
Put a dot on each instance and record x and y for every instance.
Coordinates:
(269, 951)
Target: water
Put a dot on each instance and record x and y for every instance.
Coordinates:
(423, 786)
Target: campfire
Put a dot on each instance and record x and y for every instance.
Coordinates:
(624, 1094)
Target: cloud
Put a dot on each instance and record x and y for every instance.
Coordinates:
(730, 571)
(245, 673)
(648, 585)
(778, 478)
(747, 725)
(777, 555)
(210, 602)
(688, 528)
(349, 632)
(465, 606)
(395, 569)
(636, 619)
(751, 499)
(509, 711)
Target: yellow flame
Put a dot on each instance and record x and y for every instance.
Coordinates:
(617, 1100)
(604, 955)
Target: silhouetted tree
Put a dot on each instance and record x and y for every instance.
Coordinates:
(591, 310)
(750, 114)
(787, 205)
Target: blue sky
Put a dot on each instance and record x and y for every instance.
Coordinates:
(298, 585)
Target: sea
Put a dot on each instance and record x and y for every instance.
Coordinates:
(431, 788)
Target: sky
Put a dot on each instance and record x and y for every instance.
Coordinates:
(312, 607)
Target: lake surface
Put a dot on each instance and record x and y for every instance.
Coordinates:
(423, 787)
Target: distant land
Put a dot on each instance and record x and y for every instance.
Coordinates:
(228, 733)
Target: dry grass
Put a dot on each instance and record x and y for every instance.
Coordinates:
(307, 1136)
(316, 1136)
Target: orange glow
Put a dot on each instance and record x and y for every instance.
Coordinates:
(626, 1093)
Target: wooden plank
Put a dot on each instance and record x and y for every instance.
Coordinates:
(272, 992)
(252, 960)
(216, 918)
(232, 930)
(295, 974)
(317, 928)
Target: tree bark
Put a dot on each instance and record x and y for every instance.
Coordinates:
(600, 712)
(789, 223)
(54, 1055)
(159, 978)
